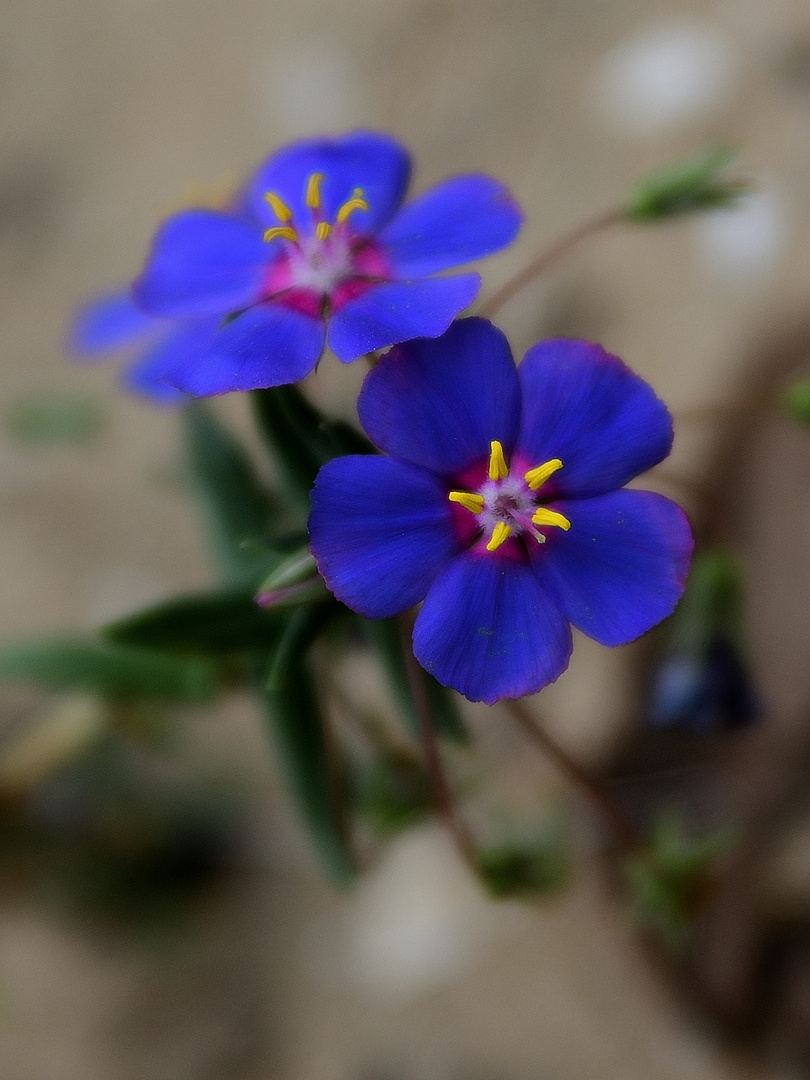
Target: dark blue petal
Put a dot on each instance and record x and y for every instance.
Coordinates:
(148, 375)
(202, 263)
(110, 322)
(268, 345)
(399, 311)
(622, 566)
(440, 403)
(490, 630)
(451, 224)
(380, 531)
(375, 163)
(586, 407)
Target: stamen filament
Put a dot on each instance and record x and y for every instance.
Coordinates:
(356, 202)
(500, 534)
(280, 208)
(536, 477)
(322, 230)
(473, 503)
(544, 516)
(498, 469)
(313, 195)
(284, 231)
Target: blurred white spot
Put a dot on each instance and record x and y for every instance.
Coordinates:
(415, 922)
(311, 89)
(666, 75)
(744, 244)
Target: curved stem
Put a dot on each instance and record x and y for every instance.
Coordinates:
(592, 788)
(445, 806)
(548, 256)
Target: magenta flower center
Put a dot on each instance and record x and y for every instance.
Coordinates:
(508, 506)
(321, 260)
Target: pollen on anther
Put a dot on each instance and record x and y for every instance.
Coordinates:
(313, 195)
(544, 516)
(279, 207)
(536, 477)
(356, 202)
(283, 231)
(322, 230)
(498, 469)
(500, 534)
(471, 502)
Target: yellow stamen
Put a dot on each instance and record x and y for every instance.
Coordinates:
(284, 231)
(313, 195)
(356, 202)
(498, 469)
(473, 503)
(536, 477)
(500, 533)
(280, 208)
(322, 230)
(544, 516)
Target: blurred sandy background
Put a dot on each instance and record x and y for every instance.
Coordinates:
(108, 112)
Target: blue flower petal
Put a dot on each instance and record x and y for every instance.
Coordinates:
(267, 345)
(148, 375)
(202, 263)
(110, 322)
(622, 566)
(440, 403)
(375, 163)
(584, 406)
(380, 532)
(489, 629)
(398, 311)
(453, 223)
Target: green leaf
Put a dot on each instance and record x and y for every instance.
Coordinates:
(690, 185)
(393, 792)
(712, 603)
(212, 622)
(796, 401)
(515, 869)
(54, 418)
(237, 510)
(110, 670)
(384, 637)
(303, 743)
(300, 438)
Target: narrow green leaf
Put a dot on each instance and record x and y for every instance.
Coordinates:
(300, 438)
(237, 510)
(212, 622)
(690, 185)
(111, 670)
(302, 741)
(384, 637)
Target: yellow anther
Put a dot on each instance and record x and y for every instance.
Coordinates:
(313, 195)
(544, 516)
(498, 469)
(284, 231)
(356, 202)
(473, 503)
(536, 477)
(280, 208)
(322, 230)
(500, 533)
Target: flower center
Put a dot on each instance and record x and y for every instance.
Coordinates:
(320, 256)
(510, 505)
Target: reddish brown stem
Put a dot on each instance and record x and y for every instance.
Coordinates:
(548, 256)
(593, 789)
(445, 805)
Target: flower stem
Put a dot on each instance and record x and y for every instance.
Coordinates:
(548, 256)
(592, 788)
(445, 806)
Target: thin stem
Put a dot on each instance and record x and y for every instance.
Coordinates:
(593, 789)
(445, 806)
(548, 256)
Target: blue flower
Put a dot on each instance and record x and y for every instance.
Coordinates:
(498, 506)
(321, 252)
(112, 322)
